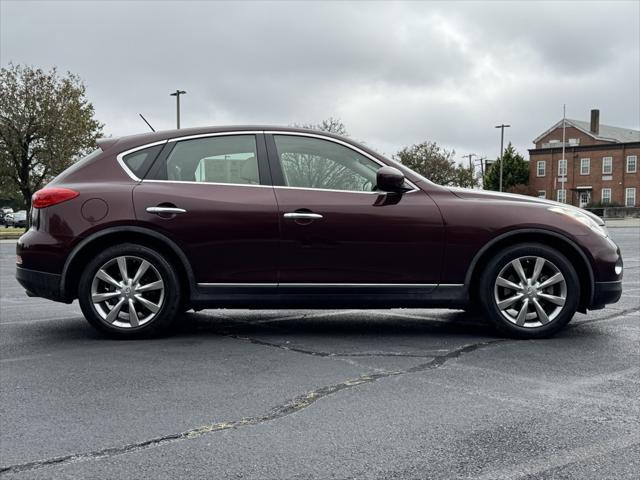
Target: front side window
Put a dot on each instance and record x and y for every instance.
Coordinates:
(585, 166)
(607, 165)
(562, 196)
(606, 195)
(562, 168)
(309, 162)
(632, 163)
(630, 197)
(230, 159)
(542, 166)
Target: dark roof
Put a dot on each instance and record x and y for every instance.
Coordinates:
(606, 133)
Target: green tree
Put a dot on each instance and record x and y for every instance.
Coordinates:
(46, 123)
(437, 164)
(515, 171)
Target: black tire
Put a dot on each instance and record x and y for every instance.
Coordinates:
(487, 290)
(170, 303)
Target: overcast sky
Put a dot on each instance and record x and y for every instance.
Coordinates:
(394, 73)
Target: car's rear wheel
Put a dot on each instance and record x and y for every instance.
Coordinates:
(529, 291)
(129, 290)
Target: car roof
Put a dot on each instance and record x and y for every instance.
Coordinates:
(132, 141)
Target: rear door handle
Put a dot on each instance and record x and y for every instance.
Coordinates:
(302, 216)
(170, 210)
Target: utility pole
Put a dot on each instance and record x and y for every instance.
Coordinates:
(482, 160)
(564, 162)
(470, 157)
(501, 127)
(177, 94)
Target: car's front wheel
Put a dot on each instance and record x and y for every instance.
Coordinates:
(529, 291)
(129, 290)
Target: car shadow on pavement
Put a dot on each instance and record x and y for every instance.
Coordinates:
(333, 324)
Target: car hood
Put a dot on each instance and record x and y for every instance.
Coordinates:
(466, 193)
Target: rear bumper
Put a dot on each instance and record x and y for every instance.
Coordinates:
(40, 284)
(605, 293)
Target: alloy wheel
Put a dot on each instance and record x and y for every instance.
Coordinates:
(127, 292)
(530, 291)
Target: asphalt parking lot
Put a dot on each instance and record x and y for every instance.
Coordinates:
(429, 394)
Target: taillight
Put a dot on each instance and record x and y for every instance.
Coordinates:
(52, 196)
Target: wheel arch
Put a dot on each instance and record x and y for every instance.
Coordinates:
(554, 240)
(114, 235)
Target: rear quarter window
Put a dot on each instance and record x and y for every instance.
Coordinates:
(140, 161)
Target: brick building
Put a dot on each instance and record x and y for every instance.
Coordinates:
(600, 165)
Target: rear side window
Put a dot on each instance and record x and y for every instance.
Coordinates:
(230, 159)
(140, 161)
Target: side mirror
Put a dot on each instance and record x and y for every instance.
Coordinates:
(390, 179)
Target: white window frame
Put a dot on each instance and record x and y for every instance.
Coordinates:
(542, 194)
(635, 163)
(543, 164)
(602, 195)
(562, 167)
(604, 163)
(561, 196)
(585, 162)
(627, 191)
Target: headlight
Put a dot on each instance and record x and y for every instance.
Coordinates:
(582, 218)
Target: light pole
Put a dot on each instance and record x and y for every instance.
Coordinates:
(177, 94)
(501, 127)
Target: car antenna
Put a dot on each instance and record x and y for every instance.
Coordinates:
(145, 121)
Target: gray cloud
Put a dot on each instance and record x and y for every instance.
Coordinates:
(395, 73)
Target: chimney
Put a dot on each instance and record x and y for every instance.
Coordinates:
(595, 122)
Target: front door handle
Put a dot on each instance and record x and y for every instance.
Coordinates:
(302, 216)
(166, 210)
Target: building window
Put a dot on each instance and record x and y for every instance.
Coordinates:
(542, 194)
(562, 167)
(630, 197)
(542, 167)
(606, 195)
(562, 196)
(607, 165)
(585, 166)
(632, 164)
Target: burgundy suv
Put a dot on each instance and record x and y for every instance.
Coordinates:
(151, 225)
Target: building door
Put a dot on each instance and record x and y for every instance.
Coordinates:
(585, 198)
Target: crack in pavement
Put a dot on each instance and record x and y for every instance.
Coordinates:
(289, 407)
(316, 353)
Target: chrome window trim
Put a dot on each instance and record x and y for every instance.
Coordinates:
(120, 160)
(190, 182)
(344, 144)
(385, 285)
(121, 155)
(339, 191)
(215, 134)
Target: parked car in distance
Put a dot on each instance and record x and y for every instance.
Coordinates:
(16, 219)
(6, 210)
(150, 225)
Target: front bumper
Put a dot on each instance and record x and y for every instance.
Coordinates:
(605, 293)
(40, 284)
